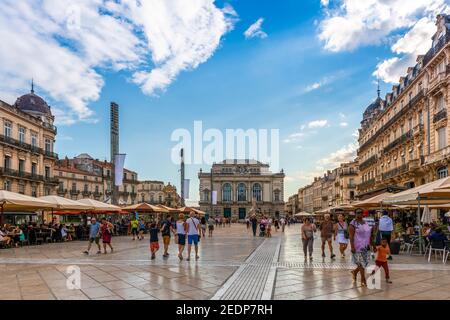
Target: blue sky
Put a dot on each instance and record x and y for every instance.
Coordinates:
(301, 74)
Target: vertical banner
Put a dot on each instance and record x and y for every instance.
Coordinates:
(186, 188)
(119, 161)
(214, 197)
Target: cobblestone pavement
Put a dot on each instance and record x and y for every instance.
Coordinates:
(232, 265)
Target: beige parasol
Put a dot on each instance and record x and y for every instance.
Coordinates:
(61, 203)
(100, 206)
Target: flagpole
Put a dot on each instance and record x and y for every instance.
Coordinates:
(182, 178)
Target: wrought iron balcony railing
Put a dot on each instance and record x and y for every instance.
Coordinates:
(365, 164)
(392, 173)
(441, 114)
(366, 184)
(402, 139)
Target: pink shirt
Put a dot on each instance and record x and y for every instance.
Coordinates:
(362, 235)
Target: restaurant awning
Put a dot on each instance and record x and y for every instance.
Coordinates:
(433, 193)
(190, 209)
(145, 207)
(11, 201)
(303, 214)
(171, 210)
(65, 204)
(100, 206)
(374, 202)
(343, 207)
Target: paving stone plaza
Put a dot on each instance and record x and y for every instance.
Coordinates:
(233, 265)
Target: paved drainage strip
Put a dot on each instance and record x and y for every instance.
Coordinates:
(254, 279)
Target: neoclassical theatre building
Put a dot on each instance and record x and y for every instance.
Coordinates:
(404, 138)
(237, 183)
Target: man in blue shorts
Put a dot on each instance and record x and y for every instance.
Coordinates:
(94, 236)
(193, 232)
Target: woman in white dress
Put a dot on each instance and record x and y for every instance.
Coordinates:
(341, 234)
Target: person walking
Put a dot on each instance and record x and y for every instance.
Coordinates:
(141, 229)
(341, 234)
(254, 222)
(181, 235)
(134, 228)
(210, 227)
(154, 241)
(360, 239)
(166, 230)
(94, 236)
(106, 232)
(247, 222)
(386, 227)
(383, 252)
(269, 228)
(283, 224)
(307, 231)
(326, 234)
(193, 232)
(203, 226)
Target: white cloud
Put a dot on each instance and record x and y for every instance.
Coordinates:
(325, 3)
(415, 42)
(313, 86)
(325, 81)
(317, 124)
(343, 124)
(65, 46)
(354, 23)
(345, 154)
(255, 30)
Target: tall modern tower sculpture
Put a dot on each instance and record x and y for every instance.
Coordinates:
(114, 148)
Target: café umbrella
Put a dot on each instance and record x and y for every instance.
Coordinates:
(61, 203)
(303, 214)
(98, 206)
(433, 193)
(426, 215)
(373, 202)
(145, 207)
(190, 209)
(12, 201)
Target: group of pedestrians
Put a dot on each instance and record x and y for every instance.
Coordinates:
(363, 236)
(97, 231)
(265, 225)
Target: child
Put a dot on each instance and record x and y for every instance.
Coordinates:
(154, 242)
(383, 252)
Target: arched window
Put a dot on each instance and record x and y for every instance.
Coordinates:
(442, 172)
(143, 197)
(152, 198)
(257, 192)
(226, 192)
(241, 192)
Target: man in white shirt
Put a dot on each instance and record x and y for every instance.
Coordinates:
(283, 224)
(386, 226)
(193, 232)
